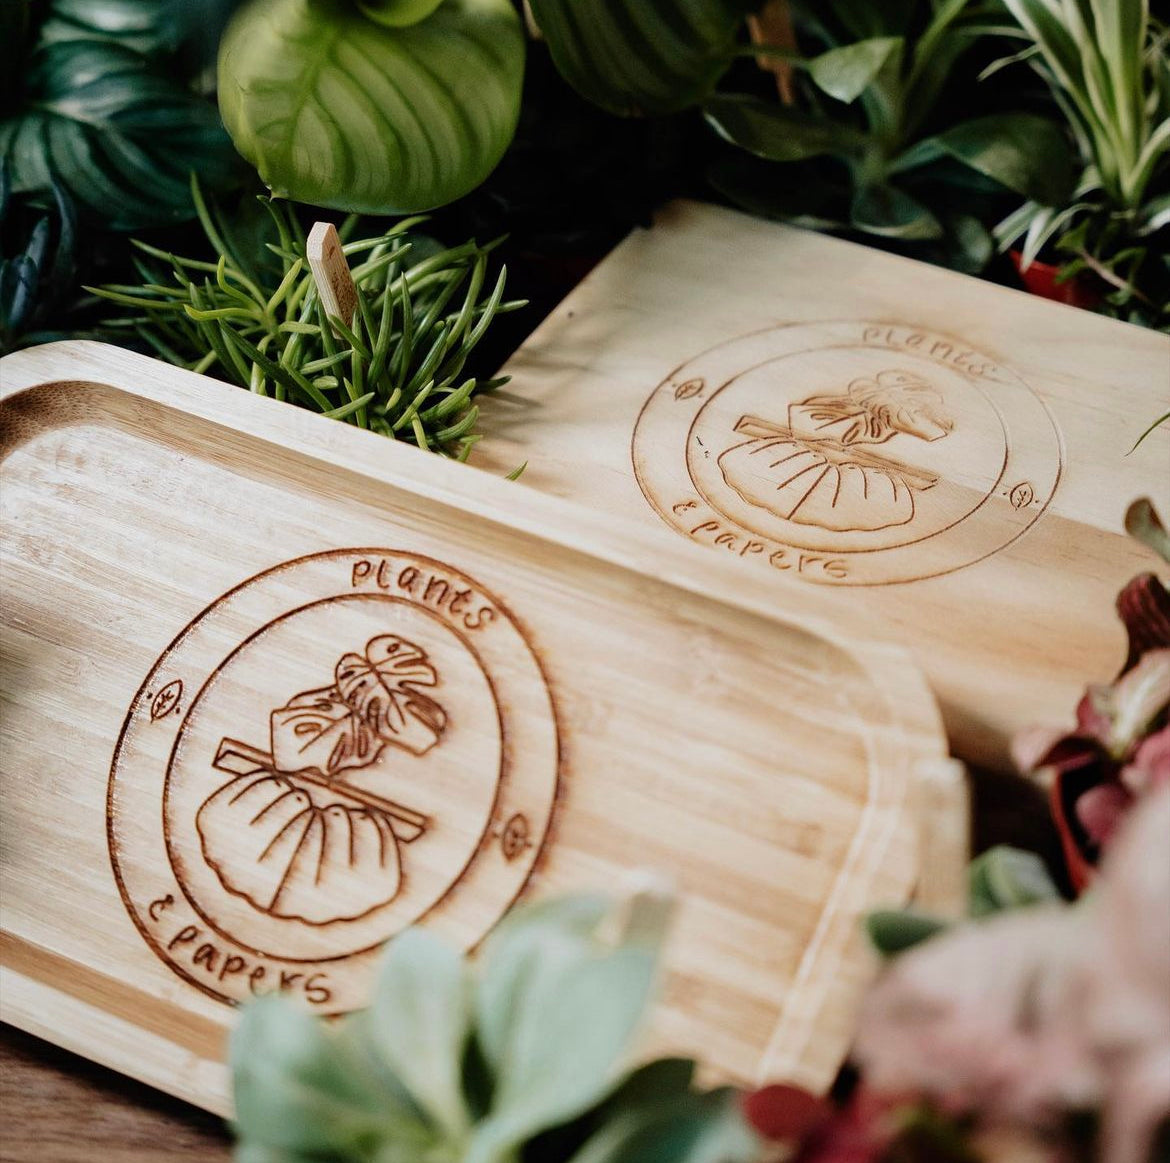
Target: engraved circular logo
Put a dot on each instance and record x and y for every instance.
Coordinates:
(343, 746)
(848, 453)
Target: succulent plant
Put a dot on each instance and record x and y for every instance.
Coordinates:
(397, 368)
(521, 1055)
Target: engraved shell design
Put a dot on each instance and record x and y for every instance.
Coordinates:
(813, 471)
(293, 854)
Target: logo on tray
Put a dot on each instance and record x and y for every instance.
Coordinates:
(323, 757)
(848, 453)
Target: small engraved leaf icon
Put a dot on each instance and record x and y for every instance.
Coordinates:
(687, 390)
(166, 700)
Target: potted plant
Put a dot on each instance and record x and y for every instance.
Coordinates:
(1107, 68)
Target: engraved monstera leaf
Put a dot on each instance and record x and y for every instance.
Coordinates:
(375, 702)
(318, 729)
(381, 687)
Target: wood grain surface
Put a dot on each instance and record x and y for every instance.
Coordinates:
(947, 460)
(56, 1107)
(239, 754)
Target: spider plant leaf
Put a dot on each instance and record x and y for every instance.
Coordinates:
(338, 110)
(777, 132)
(634, 57)
(119, 136)
(1022, 151)
(845, 72)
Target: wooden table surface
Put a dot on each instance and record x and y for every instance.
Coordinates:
(58, 1108)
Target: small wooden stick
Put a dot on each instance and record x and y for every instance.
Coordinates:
(331, 272)
(772, 25)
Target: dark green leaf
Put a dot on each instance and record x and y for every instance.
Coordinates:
(641, 56)
(121, 138)
(892, 213)
(337, 110)
(894, 931)
(1022, 151)
(778, 132)
(146, 26)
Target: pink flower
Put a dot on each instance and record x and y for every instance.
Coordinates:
(1031, 1014)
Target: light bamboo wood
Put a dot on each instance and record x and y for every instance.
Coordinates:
(944, 456)
(275, 687)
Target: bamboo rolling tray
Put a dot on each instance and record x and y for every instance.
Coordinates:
(938, 454)
(274, 688)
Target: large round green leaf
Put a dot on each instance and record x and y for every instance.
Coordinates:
(337, 110)
(117, 134)
(642, 56)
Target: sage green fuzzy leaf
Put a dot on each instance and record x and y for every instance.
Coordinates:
(121, 137)
(337, 110)
(636, 57)
(1022, 151)
(303, 1087)
(1006, 878)
(419, 1024)
(845, 73)
(777, 132)
(538, 939)
(570, 1030)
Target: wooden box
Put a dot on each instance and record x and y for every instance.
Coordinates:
(936, 453)
(275, 688)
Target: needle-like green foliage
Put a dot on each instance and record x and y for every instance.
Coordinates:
(397, 368)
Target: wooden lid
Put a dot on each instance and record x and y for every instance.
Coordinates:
(276, 688)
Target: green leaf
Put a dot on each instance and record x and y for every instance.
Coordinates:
(777, 132)
(302, 1087)
(532, 940)
(1022, 151)
(1141, 518)
(1008, 878)
(641, 56)
(398, 13)
(120, 137)
(844, 73)
(556, 1010)
(146, 26)
(891, 213)
(337, 110)
(419, 1023)
(893, 931)
(692, 1128)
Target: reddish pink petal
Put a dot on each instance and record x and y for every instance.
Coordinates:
(1150, 767)
(1092, 713)
(785, 1113)
(1144, 606)
(1100, 810)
